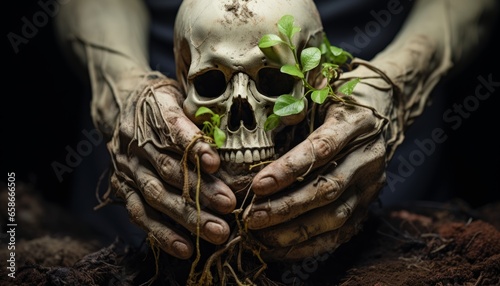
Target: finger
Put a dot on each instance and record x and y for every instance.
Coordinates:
(214, 193)
(183, 131)
(342, 125)
(168, 238)
(157, 195)
(319, 247)
(318, 221)
(311, 224)
(366, 163)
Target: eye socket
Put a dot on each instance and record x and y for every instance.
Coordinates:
(273, 83)
(210, 84)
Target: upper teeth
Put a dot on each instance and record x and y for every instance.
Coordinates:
(246, 155)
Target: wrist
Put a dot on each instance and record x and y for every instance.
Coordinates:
(114, 94)
(411, 62)
(413, 67)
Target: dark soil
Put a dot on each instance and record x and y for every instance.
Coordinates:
(425, 243)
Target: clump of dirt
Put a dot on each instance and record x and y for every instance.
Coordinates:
(53, 251)
(103, 267)
(437, 244)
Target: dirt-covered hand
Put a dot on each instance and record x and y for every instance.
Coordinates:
(323, 213)
(314, 198)
(345, 158)
(147, 147)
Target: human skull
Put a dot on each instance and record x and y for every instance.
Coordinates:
(220, 66)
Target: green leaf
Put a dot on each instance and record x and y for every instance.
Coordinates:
(215, 119)
(203, 110)
(295, 31)
(271, 122)
(336, 51)
(339, 56)
(219, 137)
(319, 96)
(342, 59)
(347, 54)
(270, 40)
(207, 128)
(292, 70)
(286, 27)
(323, 48)
(348, 87)
(329, 70)
(288, 105)
(334, 54)
(310, 58)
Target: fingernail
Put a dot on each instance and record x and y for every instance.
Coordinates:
(210, 162)
(266, 183)
(181, 250)
(225, 204)
(258, 219)
(215, 232)
(208, 158)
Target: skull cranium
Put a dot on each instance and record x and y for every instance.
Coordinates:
(220, 66)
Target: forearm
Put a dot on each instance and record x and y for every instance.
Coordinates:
(438, 38)
(106, 42)
(454, 30)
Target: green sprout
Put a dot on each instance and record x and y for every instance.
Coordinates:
(212, 128)
(331, 57)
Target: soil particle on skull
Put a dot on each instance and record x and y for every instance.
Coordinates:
(239, 10)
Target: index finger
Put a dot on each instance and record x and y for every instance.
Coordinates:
(342, 126)
(185, 134)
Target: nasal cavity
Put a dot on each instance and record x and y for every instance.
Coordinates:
(241, 113)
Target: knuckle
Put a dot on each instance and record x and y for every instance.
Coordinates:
(167, 166)
(152, 191)
(162, 236)
(190, 217)
(346, 208)
(375, 158)
(330, 188)
(366, 119)
(339, 113)
(377, 148)
(362, 117)
(136, 211)
(285, 208)
(114, 184)
(325, 147)
(345, 211)
(119, 187)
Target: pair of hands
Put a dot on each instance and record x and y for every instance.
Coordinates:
(344, 159)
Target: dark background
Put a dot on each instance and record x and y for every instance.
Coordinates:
(43, 103)
(41, 107)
